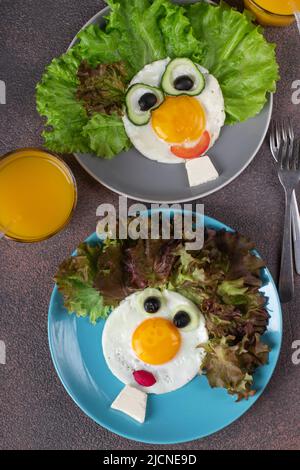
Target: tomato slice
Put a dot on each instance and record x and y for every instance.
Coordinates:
(192, 152)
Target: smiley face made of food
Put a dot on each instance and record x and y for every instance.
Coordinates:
(151, 341)
(174, 110)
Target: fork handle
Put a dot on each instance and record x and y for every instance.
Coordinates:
(296, 232)
(286, 278)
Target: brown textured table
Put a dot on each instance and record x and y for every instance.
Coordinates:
(35, 410)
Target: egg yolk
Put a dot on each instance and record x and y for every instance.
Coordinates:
(156, 341)
(179, 119)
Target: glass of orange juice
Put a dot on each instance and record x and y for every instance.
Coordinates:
(273, 12)
(38, 195)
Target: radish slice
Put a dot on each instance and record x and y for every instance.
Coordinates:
(144, 378)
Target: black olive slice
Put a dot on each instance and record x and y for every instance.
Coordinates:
(147, 101)
(183, 83)
(181, 319)
(152, 304)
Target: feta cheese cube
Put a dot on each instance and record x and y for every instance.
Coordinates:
(200, 170)
(132, 402)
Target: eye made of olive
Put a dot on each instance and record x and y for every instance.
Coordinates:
(183, 83)
(150, 301)
(147, 101)
(140, 101)
(182, 77)
(152, 304)
(186, 318)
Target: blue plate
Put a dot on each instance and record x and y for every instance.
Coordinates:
(190, 413)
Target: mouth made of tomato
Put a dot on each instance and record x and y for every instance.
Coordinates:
(182, 151)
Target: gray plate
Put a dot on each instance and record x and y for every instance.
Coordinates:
(137, 177)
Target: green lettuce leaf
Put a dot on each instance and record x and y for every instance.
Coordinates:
(151, 30)
(178, 34)
(106, 135)
(231, 366)
(223, 368)
(233, 292)
(236, 52)
(96, 46)
(56, 101)
(69, 127)
(75, 281)
(137, 24)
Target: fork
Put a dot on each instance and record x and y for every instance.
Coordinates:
(289, 176)
(279, 133)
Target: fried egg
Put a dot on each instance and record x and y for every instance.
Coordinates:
(179, 122)
(154, 343)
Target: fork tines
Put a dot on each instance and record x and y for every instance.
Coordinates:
(282, 140)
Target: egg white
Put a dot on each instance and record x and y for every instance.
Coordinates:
(120, 356)
(145, 139)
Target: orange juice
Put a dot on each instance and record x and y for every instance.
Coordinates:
(37, 195)
(273, 12)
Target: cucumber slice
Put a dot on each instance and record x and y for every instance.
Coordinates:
(182, 77)
(140, 100)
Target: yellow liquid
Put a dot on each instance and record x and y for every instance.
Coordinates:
(37, 195)
(281, 7)
(273, 12)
